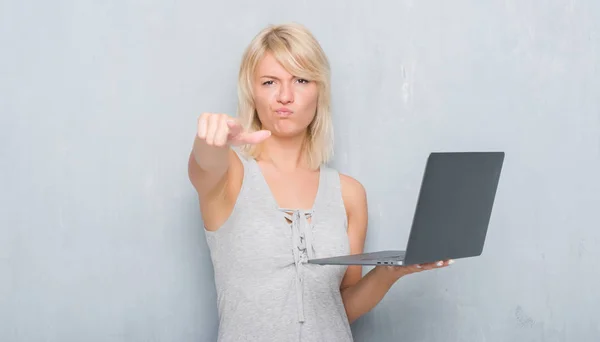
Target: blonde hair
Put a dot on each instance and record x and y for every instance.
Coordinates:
(297, 50)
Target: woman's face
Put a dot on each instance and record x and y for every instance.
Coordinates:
(286, 104)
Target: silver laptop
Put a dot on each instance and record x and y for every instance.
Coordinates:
(452, 214)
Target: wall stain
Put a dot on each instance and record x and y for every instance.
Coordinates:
(524, 320)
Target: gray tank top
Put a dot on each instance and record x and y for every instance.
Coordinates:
(265, 289)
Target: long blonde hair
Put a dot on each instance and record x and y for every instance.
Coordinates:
(297, 50)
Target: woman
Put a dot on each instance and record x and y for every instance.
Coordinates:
(269, 202)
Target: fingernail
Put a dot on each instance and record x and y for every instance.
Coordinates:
(450, 262)
(440, 263)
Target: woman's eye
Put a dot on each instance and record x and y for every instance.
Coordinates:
(267, 82)
(301, 80)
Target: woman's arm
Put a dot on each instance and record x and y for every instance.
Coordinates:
(214, 169)
(361, 294)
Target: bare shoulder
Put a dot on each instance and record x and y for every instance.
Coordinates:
(353, 194)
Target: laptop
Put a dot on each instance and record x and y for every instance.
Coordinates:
(452, 214)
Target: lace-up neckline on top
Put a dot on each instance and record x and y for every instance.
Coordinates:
(301, 223)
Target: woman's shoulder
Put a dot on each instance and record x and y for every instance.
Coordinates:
(354, 197)
(350, 185)
(352, 189)
(243, 155)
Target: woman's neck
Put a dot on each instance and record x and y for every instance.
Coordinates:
(286, 154)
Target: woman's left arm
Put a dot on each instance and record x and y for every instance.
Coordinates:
(361, 294)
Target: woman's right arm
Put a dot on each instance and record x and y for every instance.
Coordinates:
(214, 169)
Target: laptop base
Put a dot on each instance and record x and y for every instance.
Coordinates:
(374, 259)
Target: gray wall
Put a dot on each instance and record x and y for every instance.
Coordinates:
(100, 236)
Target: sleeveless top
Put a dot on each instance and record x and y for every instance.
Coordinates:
(265, 289)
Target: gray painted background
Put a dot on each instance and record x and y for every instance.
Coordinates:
(100, 236)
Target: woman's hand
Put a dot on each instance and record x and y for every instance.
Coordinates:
(396, 272)
(220, 130)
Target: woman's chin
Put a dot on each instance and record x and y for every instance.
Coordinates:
(289, 132)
